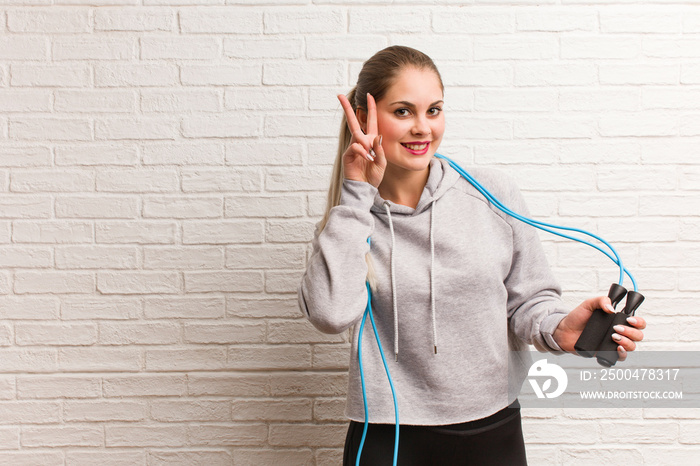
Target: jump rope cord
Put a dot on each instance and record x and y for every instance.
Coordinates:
(537, 224)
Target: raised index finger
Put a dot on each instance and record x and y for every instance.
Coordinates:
(353, 124)
(371, 115)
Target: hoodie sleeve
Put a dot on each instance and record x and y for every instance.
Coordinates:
(534, 295)
(332, 293)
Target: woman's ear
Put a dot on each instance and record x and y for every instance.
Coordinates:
(361, 115)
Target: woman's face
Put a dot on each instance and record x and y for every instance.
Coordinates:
(410, 119)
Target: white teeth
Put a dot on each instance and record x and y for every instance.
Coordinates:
(416, 146)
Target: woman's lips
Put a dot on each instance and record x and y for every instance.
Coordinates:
(416, 148)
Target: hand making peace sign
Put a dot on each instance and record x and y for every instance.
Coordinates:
(364, 159)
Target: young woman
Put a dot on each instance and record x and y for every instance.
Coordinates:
(457, 286)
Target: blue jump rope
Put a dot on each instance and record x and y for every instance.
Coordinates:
(615, 257)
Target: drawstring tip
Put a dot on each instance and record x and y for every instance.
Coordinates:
(435, 346)
(396, 357)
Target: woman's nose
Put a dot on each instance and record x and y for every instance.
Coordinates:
(421, 126)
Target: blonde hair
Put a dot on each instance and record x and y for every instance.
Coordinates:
(376, 77)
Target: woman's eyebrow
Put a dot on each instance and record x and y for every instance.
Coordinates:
(409, 104)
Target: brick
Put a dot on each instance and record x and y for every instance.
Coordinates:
(637, 179)
(222, 180)
(105, 411)
(223, 75)
(185, 359)
(182, 207)
(646, 124)
(179, 48)
(24, 48)
(265, 257)
(329, 410)
(269, 357)
(260, 308)
(62, 436)
(183, 458)
(20, 100)
(309, 384)
(134, 19)
(145, 436)
(51, 231)
(135, 232)
(137, 180)
(627, 153)
(299, 125)
(172, 101)
(581, 456)
(225, 333)
(29, 308)
(93, 48)
(572, 432)
(282, 281)
(95, 257)
(202, 153)
(486, 100)
(48, 21)
(221, 20)
(545, 74)
(641, 73)
(306, 20)
(299, 73)
(223, 232)
(576, 47)
(521, 48)
(294, 435)
(665, 205)
(25, 156)
(81, 308)
(31, 412)
(183, 258)
(54, 75)
(672, 99)
(138, 282)
(266, 206)
(255, 153)
(556, 19)
(267, 98)
(73, 334)
(554, 127)
(340, 47)
(134, 75)
(144, 385)
(668, 456)
(99, 359)
(136, 128)
(600, 100)
(54, 282)
(237, 434)
(25, 257)
(51, 181)
(638, 230)
(230, 384)
(663, 432)
(249, 457)
(24, 206)
(272, 410)
(201, 282)
(329, 455)
(104, 458)
(643, 21)
(477, 74)
(221, 127)
(299, 331)
(690, 73)
(532, 152)
(289, 231)
(680, 255)
(97, 154)
(257, 47)
(96, 207)
(662, 47)
(331, 357)
(63, 386)
(452, 20)
(598, 205)
(190, 411)
(185, 307)
(149, 333)
(54, 129)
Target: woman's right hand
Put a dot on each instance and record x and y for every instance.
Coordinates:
(364, 159)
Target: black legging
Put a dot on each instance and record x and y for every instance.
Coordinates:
(495, 440)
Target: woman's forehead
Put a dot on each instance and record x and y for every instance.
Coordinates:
(414, 85)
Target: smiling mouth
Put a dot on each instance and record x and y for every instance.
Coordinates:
(415, 147)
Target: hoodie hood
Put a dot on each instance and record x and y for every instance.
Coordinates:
(440, 179)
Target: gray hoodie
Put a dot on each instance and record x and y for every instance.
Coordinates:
(460, 288)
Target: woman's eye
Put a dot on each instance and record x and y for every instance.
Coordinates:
(435, 111)
(401, 112)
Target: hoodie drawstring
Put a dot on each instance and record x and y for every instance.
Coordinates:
(393, 279)
(393, 283)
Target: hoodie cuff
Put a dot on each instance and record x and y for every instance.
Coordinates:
(357, 194)
(547, 327)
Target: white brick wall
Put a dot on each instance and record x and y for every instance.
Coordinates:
(162, 168)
